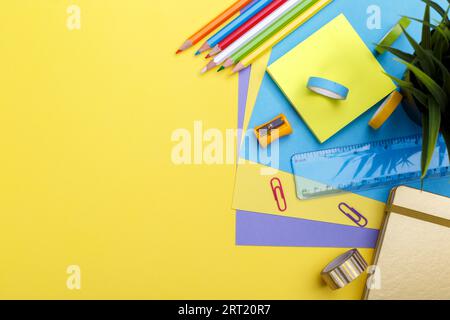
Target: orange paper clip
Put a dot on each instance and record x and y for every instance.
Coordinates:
(278, 194)
(353, 215)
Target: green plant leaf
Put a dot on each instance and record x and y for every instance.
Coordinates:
(442, 31)
(439, 95)
(400, 82)
(438, 23)
(429, 24)
(438, 27)
(439, 47)
(445, 75)
(409, 87)
(400, 54)
(438, 9)
(424, 60)
(423, 106)
(418, 95)
(440, 41)
(426, 31)
(431, 126)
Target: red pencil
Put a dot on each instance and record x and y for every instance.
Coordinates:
(246, 27)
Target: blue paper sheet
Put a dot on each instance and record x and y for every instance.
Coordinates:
(271, 101)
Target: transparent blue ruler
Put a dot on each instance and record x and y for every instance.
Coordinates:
(366, 166)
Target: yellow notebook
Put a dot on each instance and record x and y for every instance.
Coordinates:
(335, 52)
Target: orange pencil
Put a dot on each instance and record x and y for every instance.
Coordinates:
(214, 24)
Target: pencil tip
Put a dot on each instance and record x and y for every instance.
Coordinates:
(221, 68)
(215, 51)
(204, 47)
(197, 53)
(204, 70)
(208, 56)
(179, 51)
(239, 67)
(228, 63)
(209, 66)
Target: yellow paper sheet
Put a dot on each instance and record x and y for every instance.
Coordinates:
(258, 70)
(253, 193)
(337, 53)
(86, 176)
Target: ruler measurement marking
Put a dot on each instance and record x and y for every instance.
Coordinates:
(374, 147)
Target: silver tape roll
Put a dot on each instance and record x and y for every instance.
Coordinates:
(344, 269)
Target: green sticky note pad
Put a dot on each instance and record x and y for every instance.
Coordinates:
(335, 52)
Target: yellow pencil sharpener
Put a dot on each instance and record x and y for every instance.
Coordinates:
(273, 130)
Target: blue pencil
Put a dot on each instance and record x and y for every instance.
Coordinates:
(233, 25)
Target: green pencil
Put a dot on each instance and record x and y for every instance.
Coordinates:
(269, 32)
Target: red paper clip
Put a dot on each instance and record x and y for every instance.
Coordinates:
(353, 215)
(278, 194)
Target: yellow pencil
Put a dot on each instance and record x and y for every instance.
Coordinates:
(283, 33)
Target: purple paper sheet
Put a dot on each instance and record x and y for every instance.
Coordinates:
(256, 229)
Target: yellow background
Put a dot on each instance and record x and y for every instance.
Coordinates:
(86, 176)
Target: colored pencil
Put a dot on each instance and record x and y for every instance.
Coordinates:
(283, 33)
(213, 24)
(267, 22)
(269, 32)
(233, 25)
(246, 27)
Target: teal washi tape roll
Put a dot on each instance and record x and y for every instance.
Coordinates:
(328, 88)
